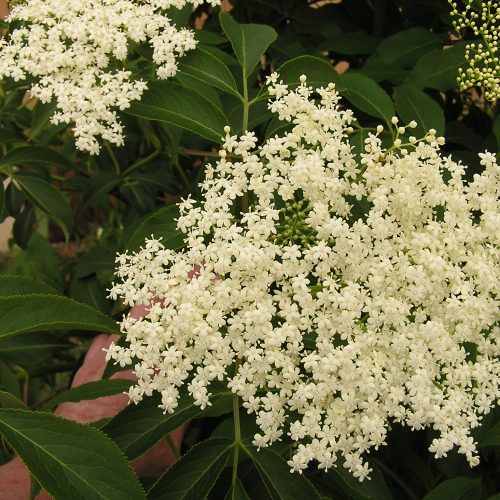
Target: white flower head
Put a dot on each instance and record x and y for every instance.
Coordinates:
(74, 50)
(351, 294)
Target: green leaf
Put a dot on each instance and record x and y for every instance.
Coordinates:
(7, 136)
(195, 473)
(41, 116)
(34, 155)
(277, 127)
(162, 224)
(458, 488)
(70, 461)
(355, 42)
(357, 141)
(23, 285)
(38, 260)
(8, 400)
(237, 492)
(366, 95)
(89, 291)
(100, 185)
(48, 199)
(318, 71)
(97, 259)
(491, 437)
(404, 48)
(24, 226)
(139, 427)
(31, 349)
(275, 473)
(438, 69)
(206, 67)
(29, 313)
(8, 379)
(92, 390)
(171, 103)
(413, 104)
(249, 41)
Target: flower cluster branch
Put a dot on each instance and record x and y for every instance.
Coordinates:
(75, 53)
(353, 294)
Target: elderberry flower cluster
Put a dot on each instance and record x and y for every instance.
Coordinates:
(75, 51)
(483, 56)
(333, 295)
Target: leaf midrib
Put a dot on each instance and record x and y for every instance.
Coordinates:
(63, 465)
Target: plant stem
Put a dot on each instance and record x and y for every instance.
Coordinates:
(142, 162)
(109, 149)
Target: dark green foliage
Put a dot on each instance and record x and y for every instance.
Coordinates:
(72, 213)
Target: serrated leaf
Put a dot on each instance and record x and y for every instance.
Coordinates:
(97, 259)
(438, 69)
(206, 67)
(171, 103)
(8, 400)
(7, 136)
(491, 437)
(139, 427)
(41, 116)
(318, 71)
(277, 127)
(162, 224)
(70, 461)
(31, 349)
(24, 226)
(195, 473)
(355, 42)
(366, 95)
(48, 199)
(89, 290)
(414, 104)
(34, 155)
(92, 390)
(22, 285)
(357, 141)
(30, 313)
(249, 41)
(237, 492)
(275, 473)
(458, 488)
(404, 48)
(100, 185)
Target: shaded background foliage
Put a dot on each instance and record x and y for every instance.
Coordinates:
(73, 212)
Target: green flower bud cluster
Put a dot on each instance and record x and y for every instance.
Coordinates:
(483, 57)
(293, 229)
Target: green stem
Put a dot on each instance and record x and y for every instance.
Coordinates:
(140, 163)
(109, 149)
(237, 429)
(172, 446)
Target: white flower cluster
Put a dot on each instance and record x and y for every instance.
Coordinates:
(483, 56)
(328, 319)
(75, 51)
